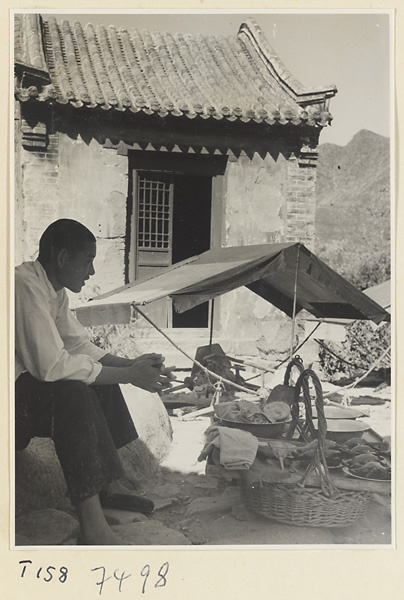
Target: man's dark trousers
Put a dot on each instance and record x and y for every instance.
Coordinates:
(87, 424)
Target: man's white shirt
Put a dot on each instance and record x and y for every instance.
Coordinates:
(50, 342)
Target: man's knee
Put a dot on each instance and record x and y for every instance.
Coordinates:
(74, 395)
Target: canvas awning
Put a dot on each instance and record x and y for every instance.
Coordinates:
(381, 294)
(269, 270)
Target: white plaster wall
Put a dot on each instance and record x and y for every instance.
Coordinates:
(93, 185)
(88, 174)
(255, 200)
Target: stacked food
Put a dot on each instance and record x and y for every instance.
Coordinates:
(333, 453)
(367, 460)
(244, 411)
(360, 458)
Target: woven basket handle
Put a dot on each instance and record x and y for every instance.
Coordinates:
(296, 424)
(295, 362)
(319, 462)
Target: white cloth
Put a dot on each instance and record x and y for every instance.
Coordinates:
(238, 448)
(50, 342)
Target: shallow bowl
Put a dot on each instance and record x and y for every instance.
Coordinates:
(342, 430)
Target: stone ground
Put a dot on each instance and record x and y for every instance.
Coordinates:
(192, 508)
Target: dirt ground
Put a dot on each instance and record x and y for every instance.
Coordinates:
(199, 509)
(210, 511)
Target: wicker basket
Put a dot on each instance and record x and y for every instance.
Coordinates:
(304, 506)
(298, 504)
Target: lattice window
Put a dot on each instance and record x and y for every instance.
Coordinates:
(153, 213)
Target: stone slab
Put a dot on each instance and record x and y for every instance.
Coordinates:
(49, 527)
(214, 505)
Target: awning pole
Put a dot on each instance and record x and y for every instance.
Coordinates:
(294, 303)
(212, 310)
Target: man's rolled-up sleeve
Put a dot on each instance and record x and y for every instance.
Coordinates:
(75, 337)
(39, 345)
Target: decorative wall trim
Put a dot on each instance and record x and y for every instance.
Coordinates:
(34, 138)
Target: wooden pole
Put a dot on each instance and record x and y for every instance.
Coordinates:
(294, 303)
(212, 310)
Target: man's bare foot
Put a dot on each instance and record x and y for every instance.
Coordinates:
(94, 529)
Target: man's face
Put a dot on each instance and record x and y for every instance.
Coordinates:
(78, 268)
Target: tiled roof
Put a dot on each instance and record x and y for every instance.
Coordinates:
(233, 78)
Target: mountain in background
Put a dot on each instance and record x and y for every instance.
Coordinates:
(353, 208)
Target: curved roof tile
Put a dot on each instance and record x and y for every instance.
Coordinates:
(238, 77)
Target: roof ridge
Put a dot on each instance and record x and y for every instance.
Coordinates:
(237, 77)
(252, 31)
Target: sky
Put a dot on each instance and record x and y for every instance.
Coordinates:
(351, 50)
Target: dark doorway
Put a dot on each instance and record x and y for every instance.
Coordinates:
(191, 233)
(171, 221)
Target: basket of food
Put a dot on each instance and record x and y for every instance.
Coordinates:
(267, 421)
(301, 504)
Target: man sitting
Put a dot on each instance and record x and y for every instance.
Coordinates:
(66, 387)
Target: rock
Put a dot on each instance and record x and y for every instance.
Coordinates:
(39, 480)
(150, 533)
(214, 505)
(151, 419)
(47, 527)
(122, 517)
(139, 464)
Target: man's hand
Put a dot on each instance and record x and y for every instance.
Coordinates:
(146, 371)
(155, 359)
(149, 373)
